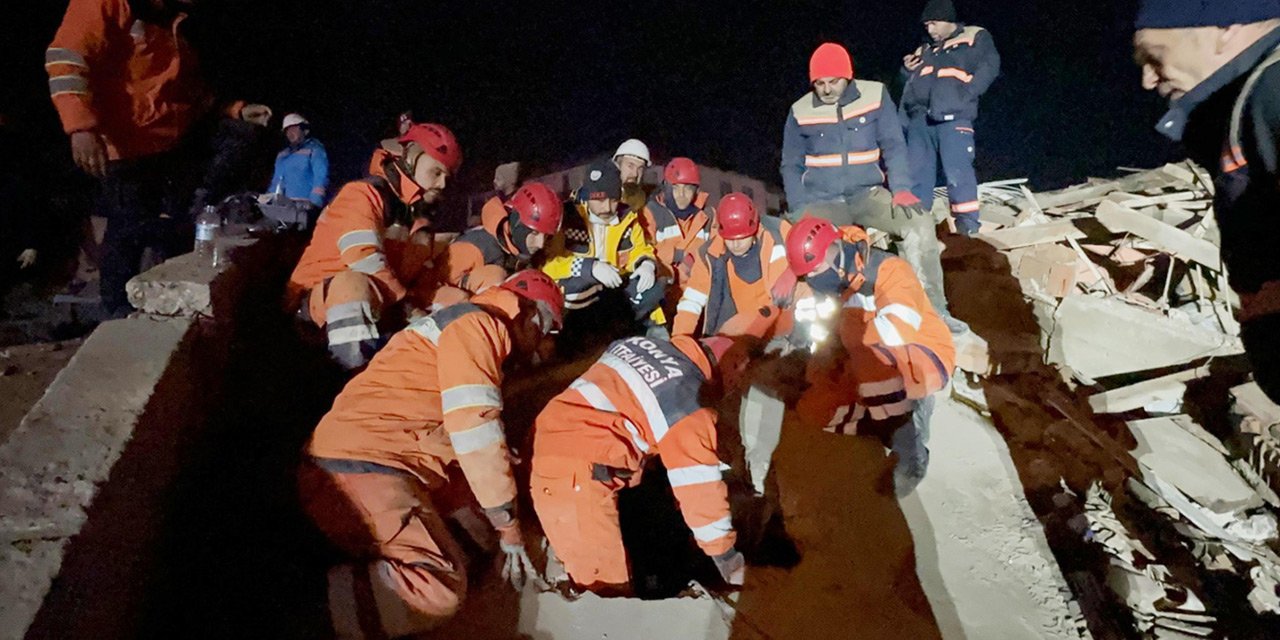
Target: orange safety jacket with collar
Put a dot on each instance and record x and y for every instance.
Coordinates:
(641, 399)
(895, 347)
(724, 298)
(431, 397)
(676, 241)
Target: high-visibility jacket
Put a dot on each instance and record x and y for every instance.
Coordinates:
(728, 295)
(302, 172)
(433, 396)
(128, 75)
(952, 76)
(641, 399)
(582, 241)
(898, 348)
(676, 241)
(833, 151)
(352, 234)
(485, 245)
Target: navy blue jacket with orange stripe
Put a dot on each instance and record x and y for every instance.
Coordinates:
(954, 74)
(831, 151)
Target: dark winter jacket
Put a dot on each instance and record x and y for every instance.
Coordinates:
(954, 74)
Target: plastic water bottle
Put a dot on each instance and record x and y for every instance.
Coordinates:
(207, 227)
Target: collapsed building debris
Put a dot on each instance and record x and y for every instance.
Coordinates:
(1129, 295)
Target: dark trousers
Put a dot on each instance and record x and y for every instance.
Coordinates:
(953, 143)
(145, 201)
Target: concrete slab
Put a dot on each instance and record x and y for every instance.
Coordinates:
(981, 554)
(53, 463)
(549, 616)
(188, 285)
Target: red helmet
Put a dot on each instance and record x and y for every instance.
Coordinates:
(682, 171)
(729, 358)
(435, 140)
(807, 244)
(737, 217)
(539, 207)
(538, 287)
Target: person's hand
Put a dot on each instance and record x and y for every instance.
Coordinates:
(645, 276)
(906, 204)
(89, 152)
(517, 568)
(732, 567)
(606, 274)
(912, 61)
(26, 258)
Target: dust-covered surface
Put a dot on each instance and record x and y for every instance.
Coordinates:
(981, 554)
(25, 372)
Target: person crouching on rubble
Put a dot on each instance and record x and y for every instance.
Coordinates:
(378, 468)
(360, 264)
(879, 349)
(644, 397)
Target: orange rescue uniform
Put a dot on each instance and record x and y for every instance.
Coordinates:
(640, 399)
(896, 348)
(429, 399)
(676, 242)
(727, 295)
(484, 256)
(361, 260)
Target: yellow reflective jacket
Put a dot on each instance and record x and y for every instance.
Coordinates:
(580, 243)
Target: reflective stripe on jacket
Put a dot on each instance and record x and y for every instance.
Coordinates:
(642, 398)
(573, 252)
(832, 151)
(953, 75)
(730, 304)
(430, 397)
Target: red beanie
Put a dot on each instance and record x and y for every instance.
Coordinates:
(830, 61)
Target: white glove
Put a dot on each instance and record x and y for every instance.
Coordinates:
(645, 275)
(516, 565)
(606, 274)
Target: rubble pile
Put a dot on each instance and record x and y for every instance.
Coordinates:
(1131, 301)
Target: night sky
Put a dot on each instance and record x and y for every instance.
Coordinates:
(712, 80)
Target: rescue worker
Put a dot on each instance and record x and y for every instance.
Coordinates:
(730, 288)
(731, 293)
(302, 169)
(890, 353)
(676, 220)
(836, 138)
(603, 246)
(509, 238)
(642, 398)
(632, 158)
(122, 77)
(1216, 62)
(945, 78)
(431, 399)
(360, 263)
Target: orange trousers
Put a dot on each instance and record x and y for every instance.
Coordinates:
(406, 573)
(579, 515)
(347, 306)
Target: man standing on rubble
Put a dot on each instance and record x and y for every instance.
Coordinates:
(836, 138)
(644, 397)
(890, 353)
(945, 78)
(1216, 62)
(361, 263)
(123, 79)
(431, 399)
(603, 246)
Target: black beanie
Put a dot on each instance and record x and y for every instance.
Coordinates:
(940, 10)
(604, 181)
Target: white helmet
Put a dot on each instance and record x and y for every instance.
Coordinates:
(294, 119)
(635, 148)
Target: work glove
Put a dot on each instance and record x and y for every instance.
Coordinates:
(89, 151)
(606, 274)
(732, 566)
(907, 204)
(645, 275)
(517, 568)
(783, 290)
